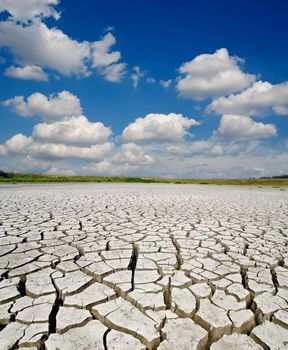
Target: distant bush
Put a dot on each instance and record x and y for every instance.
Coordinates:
(4, 174)
(284, 176)
(137, 179)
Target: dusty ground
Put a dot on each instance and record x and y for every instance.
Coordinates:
(126, 266)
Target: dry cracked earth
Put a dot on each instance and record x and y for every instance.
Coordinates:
(144, 266)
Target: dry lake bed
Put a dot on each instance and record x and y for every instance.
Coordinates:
(143, 266)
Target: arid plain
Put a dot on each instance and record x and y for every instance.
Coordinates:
(143, 266)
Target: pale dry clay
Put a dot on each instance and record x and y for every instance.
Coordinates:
(118, 266)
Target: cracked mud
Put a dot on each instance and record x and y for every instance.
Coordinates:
(143, 267)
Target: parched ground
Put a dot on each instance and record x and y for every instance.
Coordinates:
(143, 266)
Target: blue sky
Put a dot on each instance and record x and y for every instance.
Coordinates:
(176, 89)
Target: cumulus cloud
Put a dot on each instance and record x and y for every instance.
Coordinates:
(17, 144)
(189, 148)
(243, 164)
(200, 147)
(72, 131)
(101, 54)
(212, 75)
(133, 154)
(61, 151)
(217, 150)
(36, 44)
(158, 128)
(114, 72)
(165, 83)
(256, 100)
(105, 61)
(28, 10)
(254, 158)
(151, 80)
(239, 166)
(130, 159)
(104, 167)
(26, 73)
(68, 135)
(33, 43)
(53, 107)
(136, 76)
(21, 144)
(241, 127)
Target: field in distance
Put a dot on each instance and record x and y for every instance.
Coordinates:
(275, 181)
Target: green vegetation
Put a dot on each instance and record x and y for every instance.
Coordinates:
(16, 178)
(5, 177)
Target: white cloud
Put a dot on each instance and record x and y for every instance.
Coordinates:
(17, 144)
(36, 44)
(189, 148)
(61, 171)
(26, 73)
(253, 158)
(165, 83)
(73, 131)
(226, 166)
(100, 52)
(21, 144)
(71, 137)
(25, 10)
(114, 72)
(178, 149)
(241, 127)
(104, 167)
(203, 147)
(212, 75)
(61, 151)
(53, 107)
(158, 128)
(31, 164)
(256, 100)
(105, 61)
(216, 150)
(136, 76)
(113, 168)
(151, 80)
(130, 159)
(133, 154)
(109, 29)
(267, 162)
(33, 43)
